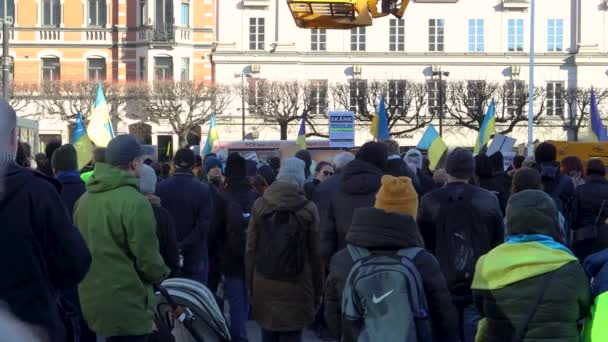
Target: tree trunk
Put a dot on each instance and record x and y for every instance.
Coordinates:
(283, 126)
(183, 138)
(575, 133)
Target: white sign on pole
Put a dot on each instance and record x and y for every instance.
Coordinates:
(501, 143)
(508, 159)
(341, 129)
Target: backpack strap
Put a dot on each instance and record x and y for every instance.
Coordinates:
(410, 252)
(357, 253)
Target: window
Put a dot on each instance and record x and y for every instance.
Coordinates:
(50, 69)
(96, 69)
(318, 39)
(475, 93)
(142, 68)
(97, 13)
(318, 96)
(357, 39)
(185, 14)
(11, 9)
(164, 15)
(514, 92)
(476, 35)
(358, 90)
(436, 35)
(256, 34)
(163, 69)
(51, 13)
(435, 97)
(555, 35)
(184, 70)
(396, 94)
(555, 98)
(256, 95)
(516, 35)
(397, 35)
(143, 13)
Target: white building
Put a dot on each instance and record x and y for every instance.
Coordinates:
(484, 40)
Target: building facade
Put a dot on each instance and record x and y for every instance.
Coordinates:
(473, 40)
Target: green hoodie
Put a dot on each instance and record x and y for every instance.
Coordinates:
(117, 222)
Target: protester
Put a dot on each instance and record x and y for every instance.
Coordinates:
(198, 169)
(573, 166)
(325, 190)
(440, 178)
(23, 157)
(217, 227)
(560, 187)
(43, 164)
(65, 168)
(526, 179)
(323, 171)
(275, 164)
(41, 252)
(118, 225)
(413, 157)
(459, 223)
(596, 329)
(285, 290)
(486, 179)
(530, 288)
(385, 230)
(357, 188)
(99, 156)
(516, 164)
(395, 166)
(165, 225)
(306, 157)
(165, 171)
(501, 177)
(590, 210)
(238, 198)
(213, 170)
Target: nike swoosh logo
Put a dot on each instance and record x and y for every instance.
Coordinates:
(381, 298)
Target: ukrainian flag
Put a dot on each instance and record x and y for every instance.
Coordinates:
(212, 137)
(100, 127)
(487, 129)
(597, 131)
(81, 142)
(379, 128)
(301, 141)
(434, 145)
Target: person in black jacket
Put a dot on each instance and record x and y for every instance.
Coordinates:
(395, 166)
(41, 252)
(357, 188)
(65, 167)
(486, 179)
(323, 171)
(189, 203)
(413, 158)
(559, 187)
(385, 229)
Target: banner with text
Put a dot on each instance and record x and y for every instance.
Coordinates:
(341, 129)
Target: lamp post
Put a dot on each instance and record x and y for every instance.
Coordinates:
(6, 21)
(438, 73)
(531, 86)
(242, 75)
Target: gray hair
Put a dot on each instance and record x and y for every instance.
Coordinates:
(342, 159)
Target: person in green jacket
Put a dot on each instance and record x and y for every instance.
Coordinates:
(118, 225)
(99, 155)
(596, 329)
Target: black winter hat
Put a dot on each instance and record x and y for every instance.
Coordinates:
(374, 153)
(268, 173)
(460, 164)
(483, 166)
(305, 156)
(236, 166)
(184, 158)
(545, 153)
(65, 159)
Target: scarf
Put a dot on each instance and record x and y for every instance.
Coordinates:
(540, 238)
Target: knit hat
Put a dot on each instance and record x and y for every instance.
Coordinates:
(65, 159)
(267, 173)
(545, 153)
(184, 158)
(397, 195)
(460, 164)
(147, 180)
(532, 212)
(235, 166)
(305, 156)
(292, 171)
(374, 153)
(212, 162)
(415, 157)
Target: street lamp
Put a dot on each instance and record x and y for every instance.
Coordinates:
(6, 22)
(243, 75)
(438, 73)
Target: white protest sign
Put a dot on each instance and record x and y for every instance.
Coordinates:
(341, 129)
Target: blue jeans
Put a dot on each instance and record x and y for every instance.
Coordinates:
(239, 307)
(468, 320)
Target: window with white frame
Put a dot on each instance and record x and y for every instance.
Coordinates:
(318, 39)
(51, 13)
(396, 35)
(318, 96)
(10, 11)
(256, 95)
(435, 96)
(143, 13)
(515, 33)
(436, 35)
(163, 69)
(555, 35)
(96, 69)
(184, 70)
(358, 93)
(51, 69)
(396, 94)
(357, 39)
(256, 33)
(185, 14)
(514, 92)
(476, 43)
(475, 92)
(555, 98)
(97, 13)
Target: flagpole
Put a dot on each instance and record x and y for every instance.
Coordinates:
(531, 86)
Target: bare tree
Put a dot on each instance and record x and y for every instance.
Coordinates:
(184, 105)
(21, 96)
(578, 108)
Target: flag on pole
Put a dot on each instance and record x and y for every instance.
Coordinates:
(212, 137)
(597, 131)
(100, 126)
(436, 147)
(301, 141)
(487, 129)
(379, 128)
(81, 142)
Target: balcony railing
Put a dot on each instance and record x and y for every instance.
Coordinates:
(50, 34)
(94, 35)
(11, 35)
(159, 34)
(183, 34)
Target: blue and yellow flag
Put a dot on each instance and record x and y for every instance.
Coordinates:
(436, 147)
(81, 142)
(487, 129)
(379, 128)
(301, 141)
(212, 137)
(100, 126)
(597, 131)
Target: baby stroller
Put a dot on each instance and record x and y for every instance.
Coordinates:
(188, 311)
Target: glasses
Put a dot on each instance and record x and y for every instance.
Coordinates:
(328, 173)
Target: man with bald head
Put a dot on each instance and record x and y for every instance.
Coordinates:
(41, 252)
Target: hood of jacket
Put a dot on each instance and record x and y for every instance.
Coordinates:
(376, 229)
(413, 156)
(13, 177)
(596, 266)
(108, 178)
(360, 178)
(284, 194)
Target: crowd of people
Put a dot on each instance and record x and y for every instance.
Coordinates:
(370, 246)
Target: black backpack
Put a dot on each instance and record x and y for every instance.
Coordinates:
(282, 244)
(461, 238)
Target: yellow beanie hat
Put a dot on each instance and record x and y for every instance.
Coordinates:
(397, 195)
